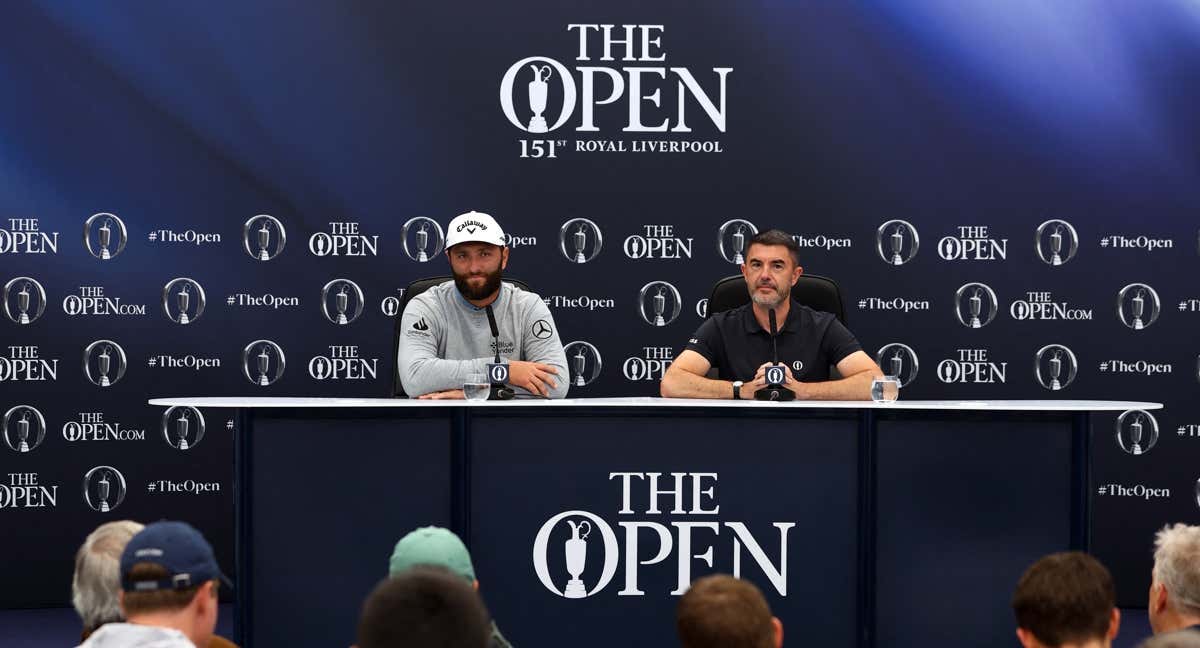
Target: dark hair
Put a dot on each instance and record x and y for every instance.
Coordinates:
(776, 237)
(164, 600)
(1065, 597)
(424, 607)
(721, 611)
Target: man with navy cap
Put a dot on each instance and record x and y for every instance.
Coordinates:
(169, 580)
(445, 334)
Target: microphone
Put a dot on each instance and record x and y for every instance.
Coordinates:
(497, 370)
(775, 372)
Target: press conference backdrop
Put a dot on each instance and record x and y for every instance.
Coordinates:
(229, 198)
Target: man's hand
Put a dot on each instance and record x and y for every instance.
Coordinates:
(449, 394)
(533, 376)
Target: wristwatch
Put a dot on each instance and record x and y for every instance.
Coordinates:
(737, 390)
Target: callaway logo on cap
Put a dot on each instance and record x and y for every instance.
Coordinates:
(474, 226)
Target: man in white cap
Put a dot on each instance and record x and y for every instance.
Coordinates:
(445, 334)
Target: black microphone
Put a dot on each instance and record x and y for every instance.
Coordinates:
(498, 370)
(774, 391)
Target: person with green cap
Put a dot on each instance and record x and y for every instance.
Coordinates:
(438, 547)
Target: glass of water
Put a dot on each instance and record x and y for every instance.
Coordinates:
(885, 389)
(476, 387)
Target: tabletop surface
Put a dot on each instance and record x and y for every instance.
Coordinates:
(645, 401)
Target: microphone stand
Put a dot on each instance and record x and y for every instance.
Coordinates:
(775, 372)
(497, 370)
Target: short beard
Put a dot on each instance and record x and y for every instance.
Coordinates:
(491, 285)
(763, 300)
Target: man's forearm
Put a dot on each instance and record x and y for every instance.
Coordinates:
(681, 384)
(427, 375)
(856, 387)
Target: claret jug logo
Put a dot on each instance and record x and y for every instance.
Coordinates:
(1055, 366)
(570, 545)
(621, 73)
(263, 237)
(422, 238)
(1136, 431)
(732, 236)
(24, 300)
(580, 240)
(898, 360)
(346, 299)
(975, 305)
(183, 427)
(263, 362)
(1138, 306)
(659, 303)
(104, 363)
(897, 242)
(183, 300)
(24, 428)
(584, 362)
(1056, 241)
(104, 489)
(98, 233)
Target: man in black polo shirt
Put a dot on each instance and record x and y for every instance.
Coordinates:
(737, 342)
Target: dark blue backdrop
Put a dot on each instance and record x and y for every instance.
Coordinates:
(838, 118)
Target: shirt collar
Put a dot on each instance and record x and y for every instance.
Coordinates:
(790, 325)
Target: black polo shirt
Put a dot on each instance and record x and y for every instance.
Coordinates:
(809, 342)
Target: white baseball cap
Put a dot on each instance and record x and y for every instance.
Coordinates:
(474, 226)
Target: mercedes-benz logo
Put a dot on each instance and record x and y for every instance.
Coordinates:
(897, 242)
(263, 362)
(24, 300)
(1138, 306)
(732, 238)
(98, 238)
(975, 305)
(584, 362)
(263, 237)
(542, 329)
(183, 300)
(24, 428)
(1136, 431)
(1056, 242)
(422, 238)
(659, 303)
(183, 427)
(1055, 366)
(347, 301)
(104, 363)
(104, 489)
(899, 360)
(580, 240)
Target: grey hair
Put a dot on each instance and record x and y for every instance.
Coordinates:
(98, 573)
(1177, 566)
(1177, 639)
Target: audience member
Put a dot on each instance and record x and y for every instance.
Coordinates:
(424, 607)
(97, 579)
(438, 547)
(721, 611)
(169, 581)
(1175, 580)
(1066, 599)
(1177, 639)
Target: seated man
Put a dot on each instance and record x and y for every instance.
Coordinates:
(424, 607)
(1175, 580)
(168, 591)
(738, 344)
(438, 547)
(96, 583)
(445, 333)
(1066, 599)
(721, 611)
